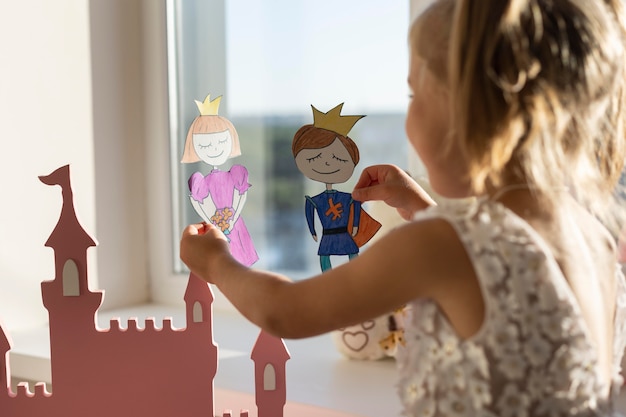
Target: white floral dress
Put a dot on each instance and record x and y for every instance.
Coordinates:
(532, 355)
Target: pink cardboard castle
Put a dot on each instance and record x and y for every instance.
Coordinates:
(124, 372)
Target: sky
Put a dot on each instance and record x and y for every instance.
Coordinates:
(283, 55)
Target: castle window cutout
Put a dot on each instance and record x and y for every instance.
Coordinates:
(198, 312)
(71, 288)
(269, 378)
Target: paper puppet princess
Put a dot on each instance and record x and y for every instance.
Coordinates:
(220, 196)
(324, 153)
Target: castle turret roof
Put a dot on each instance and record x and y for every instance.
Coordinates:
(68, 228)
(197, 289)
(269, 347)
(5, 341)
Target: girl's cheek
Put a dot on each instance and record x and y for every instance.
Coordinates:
(412, 119)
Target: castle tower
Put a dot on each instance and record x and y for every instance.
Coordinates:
(270, 356)
(71, 306)
(115, 371)
(199, 307)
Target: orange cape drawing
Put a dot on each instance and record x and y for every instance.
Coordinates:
(368, 227)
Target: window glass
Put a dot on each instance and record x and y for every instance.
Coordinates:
(271, 60)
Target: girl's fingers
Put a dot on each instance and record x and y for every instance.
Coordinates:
(364, 180)
(373, 192)
(194, 229)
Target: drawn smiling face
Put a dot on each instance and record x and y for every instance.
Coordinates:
(213, 148)
(331, 164)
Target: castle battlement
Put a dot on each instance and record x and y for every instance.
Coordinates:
(23, 390)
(132, 371)
(132, 324)
(229, 413)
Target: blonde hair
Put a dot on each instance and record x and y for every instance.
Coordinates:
(209, 124)
(429, 37)
(536, 90)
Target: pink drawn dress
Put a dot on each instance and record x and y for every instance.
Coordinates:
(220, 186)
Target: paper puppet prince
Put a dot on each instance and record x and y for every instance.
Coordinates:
(219, 197)
(324, 153)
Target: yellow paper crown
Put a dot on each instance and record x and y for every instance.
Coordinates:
(333, 121)
(208, 107)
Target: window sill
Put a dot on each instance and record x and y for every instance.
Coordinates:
(316, 373)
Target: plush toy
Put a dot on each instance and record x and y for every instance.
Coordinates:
(374, 339)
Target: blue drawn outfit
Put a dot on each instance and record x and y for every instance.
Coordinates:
(333, 210)
(220, 186)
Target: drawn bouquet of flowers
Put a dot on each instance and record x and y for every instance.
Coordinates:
(221, 218)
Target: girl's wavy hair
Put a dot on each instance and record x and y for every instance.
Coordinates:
(538, 87)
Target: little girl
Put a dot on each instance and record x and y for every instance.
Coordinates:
(517, 300)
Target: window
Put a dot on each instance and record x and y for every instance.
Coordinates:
(272, 60)
(269, 378)
(71, 286)
(198, 312)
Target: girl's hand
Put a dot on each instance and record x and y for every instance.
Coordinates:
(202, 246)
(395, 187)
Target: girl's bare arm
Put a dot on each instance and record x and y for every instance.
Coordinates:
(412, 261)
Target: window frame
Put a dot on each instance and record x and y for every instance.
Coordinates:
(129, 209)
(161, 122)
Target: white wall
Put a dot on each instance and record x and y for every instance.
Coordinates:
(45, 122)
(71, 89)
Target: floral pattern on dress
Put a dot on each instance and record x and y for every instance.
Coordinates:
(531, 357)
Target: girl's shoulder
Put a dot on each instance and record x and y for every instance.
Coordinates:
(475, 220)
(484, 236)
